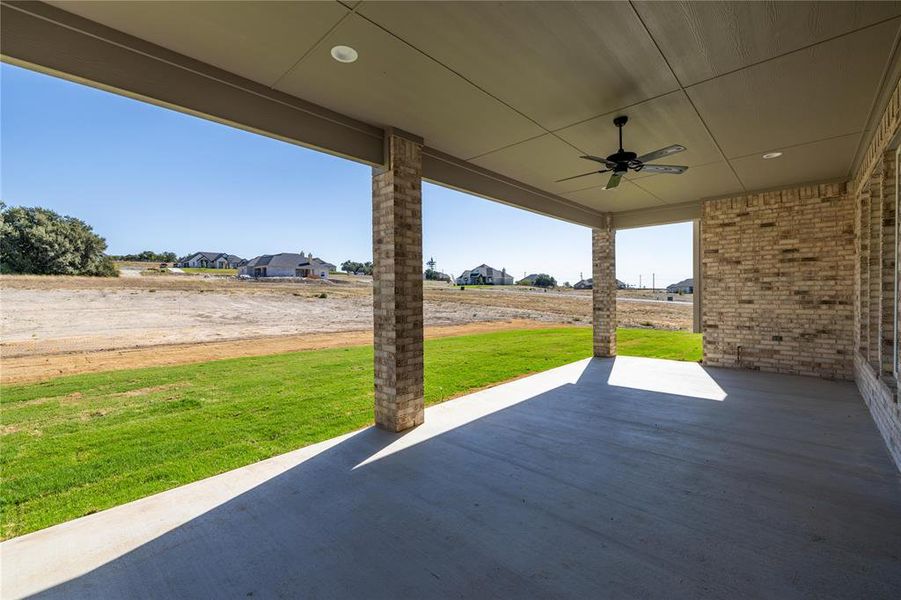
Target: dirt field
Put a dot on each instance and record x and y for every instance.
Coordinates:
(51, 325)
(22, 369)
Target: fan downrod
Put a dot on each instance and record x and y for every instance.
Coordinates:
(621, 158)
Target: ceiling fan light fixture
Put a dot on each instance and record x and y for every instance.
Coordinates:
(770, 155)
(344, 54)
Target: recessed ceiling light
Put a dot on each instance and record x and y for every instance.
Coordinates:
(770, 155)
(344, 54)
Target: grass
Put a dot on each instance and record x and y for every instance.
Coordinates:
(222, 272)
(656, 343)
(79, 444)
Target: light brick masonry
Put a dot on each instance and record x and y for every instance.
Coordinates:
(877, 304)
(603, 294)
(878, 277)
(887, 275)
(779, 281)
(397, 285)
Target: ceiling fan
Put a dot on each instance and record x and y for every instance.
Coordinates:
(621, 161)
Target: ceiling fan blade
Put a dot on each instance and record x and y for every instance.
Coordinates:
(661, 153)
(603, 161)
(669, 169)
(582, 175)
(614, 180)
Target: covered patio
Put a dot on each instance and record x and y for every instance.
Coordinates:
(624, 477)
(764, 472)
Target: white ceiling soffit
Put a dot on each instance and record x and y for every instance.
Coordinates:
(523, 89)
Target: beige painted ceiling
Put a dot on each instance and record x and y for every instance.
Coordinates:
(524, 88)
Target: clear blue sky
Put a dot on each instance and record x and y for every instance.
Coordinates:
(148, 178)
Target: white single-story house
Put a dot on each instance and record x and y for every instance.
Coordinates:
(211, 260)
(286, 264)
(484, 275)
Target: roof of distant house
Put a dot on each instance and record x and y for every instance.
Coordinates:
(288, 260)
(206, 255)
(690, 282)
(486, 271)
(212, 256)
(586, 283)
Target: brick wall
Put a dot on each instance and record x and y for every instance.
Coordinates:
(877, 305)
(603, 290)
(873, 189)
(779, 272)
(883, 404)
(397, 285)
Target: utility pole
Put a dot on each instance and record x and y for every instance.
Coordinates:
(653, 281)
(639, 281)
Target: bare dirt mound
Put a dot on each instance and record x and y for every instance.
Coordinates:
(24, 369)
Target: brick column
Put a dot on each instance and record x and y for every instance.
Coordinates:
(874, 355)
(863, 272)
(397, 283)
(697, 277)
(603, 289)
(889, 249)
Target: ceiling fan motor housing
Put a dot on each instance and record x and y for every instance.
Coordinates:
(622, 160)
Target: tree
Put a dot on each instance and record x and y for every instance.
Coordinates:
(432, 274)
(147, 256)
(350, 266)
(39, 241)
(544, 280)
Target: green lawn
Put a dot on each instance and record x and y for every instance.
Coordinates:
(222, 272)
(76, 445)
(655, 343)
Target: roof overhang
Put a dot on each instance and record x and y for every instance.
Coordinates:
(504, 102)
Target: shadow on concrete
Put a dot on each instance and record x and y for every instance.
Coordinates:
(587, 490)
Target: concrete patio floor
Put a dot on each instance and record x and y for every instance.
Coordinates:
(633, 478)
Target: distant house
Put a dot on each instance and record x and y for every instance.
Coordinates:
(286, 264)
(686, 286)
(587, 284)
(210, 260)
(484, 275)
(528, 279)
